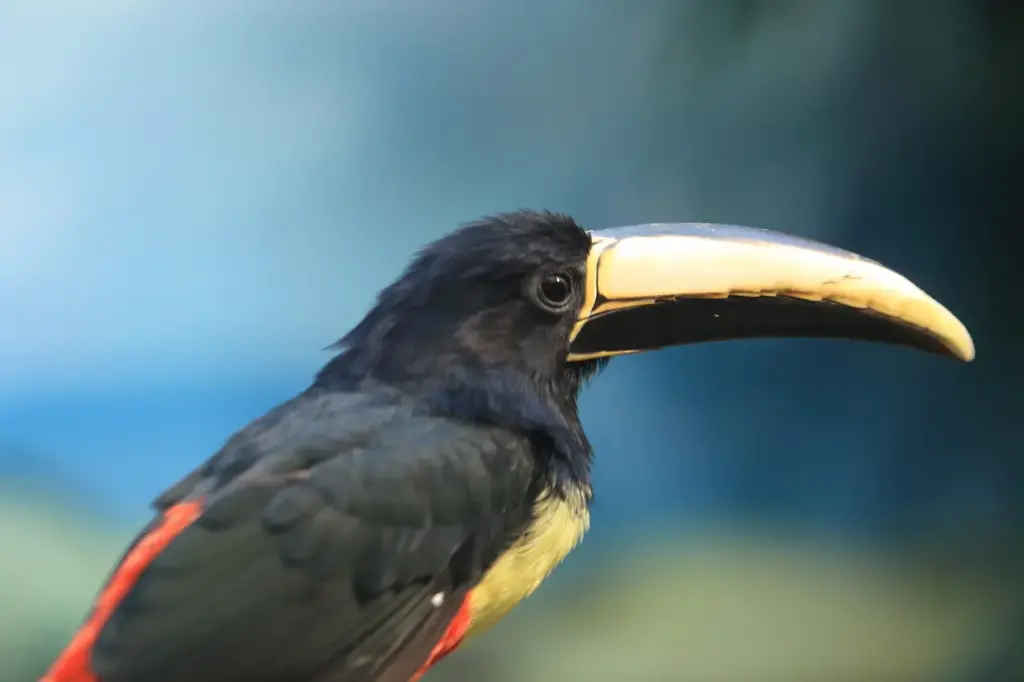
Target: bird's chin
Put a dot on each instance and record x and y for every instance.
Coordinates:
(654, 286)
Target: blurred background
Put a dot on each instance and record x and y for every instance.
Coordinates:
(196, 197)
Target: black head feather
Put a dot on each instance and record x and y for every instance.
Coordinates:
(468, 329)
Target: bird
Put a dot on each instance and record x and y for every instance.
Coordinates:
(436, 470)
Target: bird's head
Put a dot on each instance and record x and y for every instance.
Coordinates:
(500, 296)
(505, 317)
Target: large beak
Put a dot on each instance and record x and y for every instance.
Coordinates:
(653, 286)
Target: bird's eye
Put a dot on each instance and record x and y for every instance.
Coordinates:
(554, 291)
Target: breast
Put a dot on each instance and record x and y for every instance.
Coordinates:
(558, 526)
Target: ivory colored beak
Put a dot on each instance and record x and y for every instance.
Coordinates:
(652, 286)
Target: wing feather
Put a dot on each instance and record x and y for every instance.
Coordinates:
(317, 555)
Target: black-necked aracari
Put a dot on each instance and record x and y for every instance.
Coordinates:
(436, 471)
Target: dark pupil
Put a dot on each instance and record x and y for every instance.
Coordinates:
(555, 288)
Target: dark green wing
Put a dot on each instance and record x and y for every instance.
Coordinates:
(328, 529)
